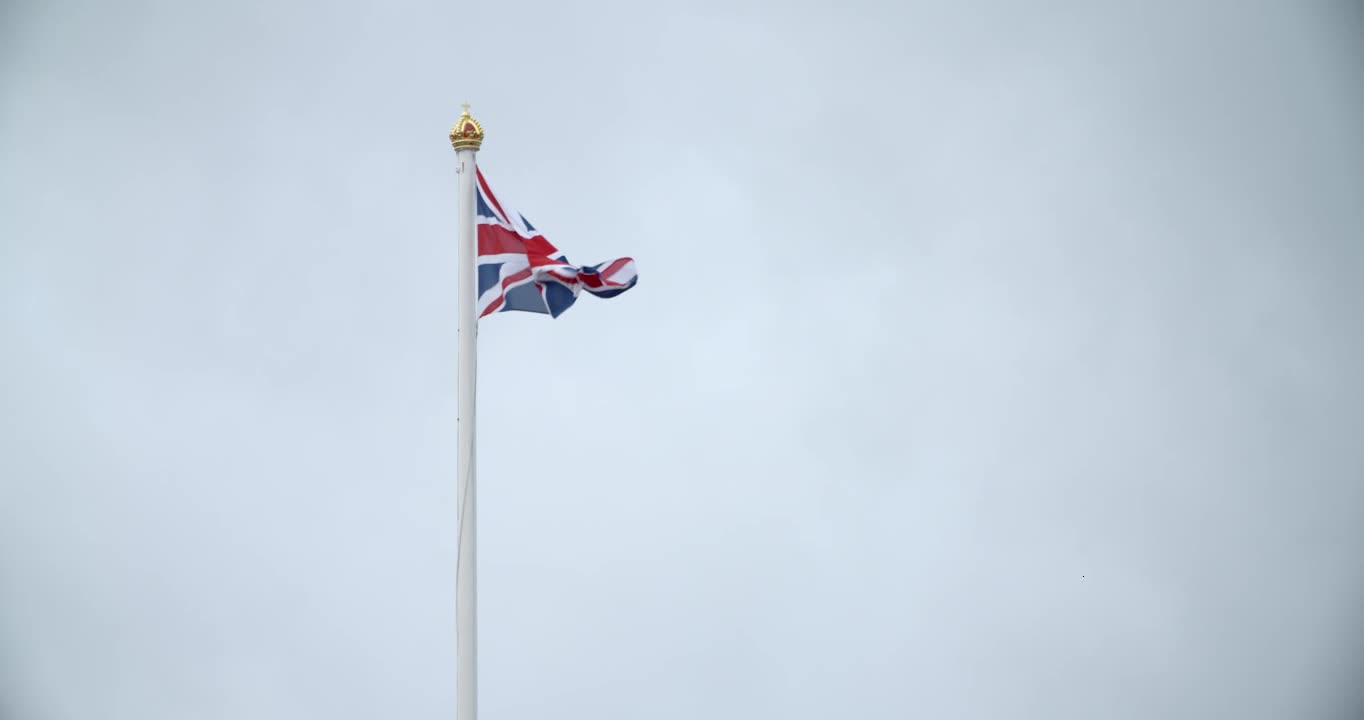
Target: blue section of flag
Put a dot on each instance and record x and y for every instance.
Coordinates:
(488, 275)
(525, 298)
(484, 211)
(558, 298)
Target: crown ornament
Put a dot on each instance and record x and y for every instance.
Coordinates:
(467, 133)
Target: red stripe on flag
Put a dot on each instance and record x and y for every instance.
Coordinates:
(538, 245)
(497, 240)
(515, 278)
(615, 267)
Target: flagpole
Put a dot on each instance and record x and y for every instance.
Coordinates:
(467, 137)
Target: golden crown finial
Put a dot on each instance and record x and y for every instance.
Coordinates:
(467, 132)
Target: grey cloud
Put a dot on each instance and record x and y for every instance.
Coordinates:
(987, 361)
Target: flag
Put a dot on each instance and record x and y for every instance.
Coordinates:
(518, 269)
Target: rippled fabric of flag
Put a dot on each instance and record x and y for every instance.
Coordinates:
(518, 269)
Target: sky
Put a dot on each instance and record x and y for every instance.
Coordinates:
(988, 360)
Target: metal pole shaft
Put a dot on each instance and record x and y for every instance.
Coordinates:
(466, 594)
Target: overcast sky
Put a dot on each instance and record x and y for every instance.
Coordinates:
(987, 361)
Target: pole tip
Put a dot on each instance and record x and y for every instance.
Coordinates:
(467, 133)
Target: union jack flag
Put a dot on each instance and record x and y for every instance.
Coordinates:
(518, 269)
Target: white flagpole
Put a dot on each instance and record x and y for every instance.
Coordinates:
(467, 137)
